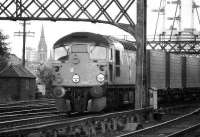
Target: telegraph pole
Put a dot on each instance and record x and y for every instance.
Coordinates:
(24, 34)
(24, 43)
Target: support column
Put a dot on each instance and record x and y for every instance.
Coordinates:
(141, 93)
(24, 43)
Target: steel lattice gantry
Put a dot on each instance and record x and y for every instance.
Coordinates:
(178, 47)
(72, 10)
(119, 13)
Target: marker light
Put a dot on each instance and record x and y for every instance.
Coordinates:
(100, 78)
(76, 78)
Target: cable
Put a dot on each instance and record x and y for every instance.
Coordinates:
(157, 20)
(198, 15)
(173, 22)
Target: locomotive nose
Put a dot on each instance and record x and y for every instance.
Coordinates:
(75, 60)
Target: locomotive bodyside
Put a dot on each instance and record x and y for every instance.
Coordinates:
(122, 65)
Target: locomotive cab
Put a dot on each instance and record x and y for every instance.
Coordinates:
(74, 80)
(75, 59)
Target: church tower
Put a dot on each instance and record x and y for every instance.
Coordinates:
(42, 48)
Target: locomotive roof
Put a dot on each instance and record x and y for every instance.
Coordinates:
(92, 37)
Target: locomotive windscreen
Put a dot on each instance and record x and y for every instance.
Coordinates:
(97, 52)
(61, 52)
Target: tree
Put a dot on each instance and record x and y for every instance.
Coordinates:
(46, 75)
(4, 54)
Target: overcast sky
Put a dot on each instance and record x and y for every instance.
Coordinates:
(55, 30)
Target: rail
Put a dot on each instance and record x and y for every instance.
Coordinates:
(37, 104)
(170, 126)
(14, 103)
(87, 123)
(185, 131)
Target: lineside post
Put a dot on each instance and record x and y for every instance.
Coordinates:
(24, 43)
(141, 93)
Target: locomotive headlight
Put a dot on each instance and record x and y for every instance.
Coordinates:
(100, 77)
(58, 78)
(59, 92)
(76, 78)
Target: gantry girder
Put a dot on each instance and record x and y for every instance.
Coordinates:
(178, 47)
(115, 12)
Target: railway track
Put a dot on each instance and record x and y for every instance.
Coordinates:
(177, 127)
(193, 131)
(80, 123)
(4, 125)
(13, 113)
(27, 113)
(26, 105)
(43, 119)
(46, 123)
(27, 102)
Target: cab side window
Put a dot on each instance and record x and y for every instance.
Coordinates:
(111, 63)
(110, 54)
(117, 63)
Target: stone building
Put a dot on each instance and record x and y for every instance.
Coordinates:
(31, 54)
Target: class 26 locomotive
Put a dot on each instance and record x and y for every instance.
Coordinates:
(85, 65)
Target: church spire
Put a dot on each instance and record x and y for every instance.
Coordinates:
(42, 47)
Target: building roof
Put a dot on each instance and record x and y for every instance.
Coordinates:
(15, 71)
(14, 59)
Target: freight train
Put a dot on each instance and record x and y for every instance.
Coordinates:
(95, 72)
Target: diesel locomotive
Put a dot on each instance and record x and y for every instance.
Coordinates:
(94, 72)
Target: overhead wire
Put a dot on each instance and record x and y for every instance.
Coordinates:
(198, 15)
(157, 20)
(173, 21)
